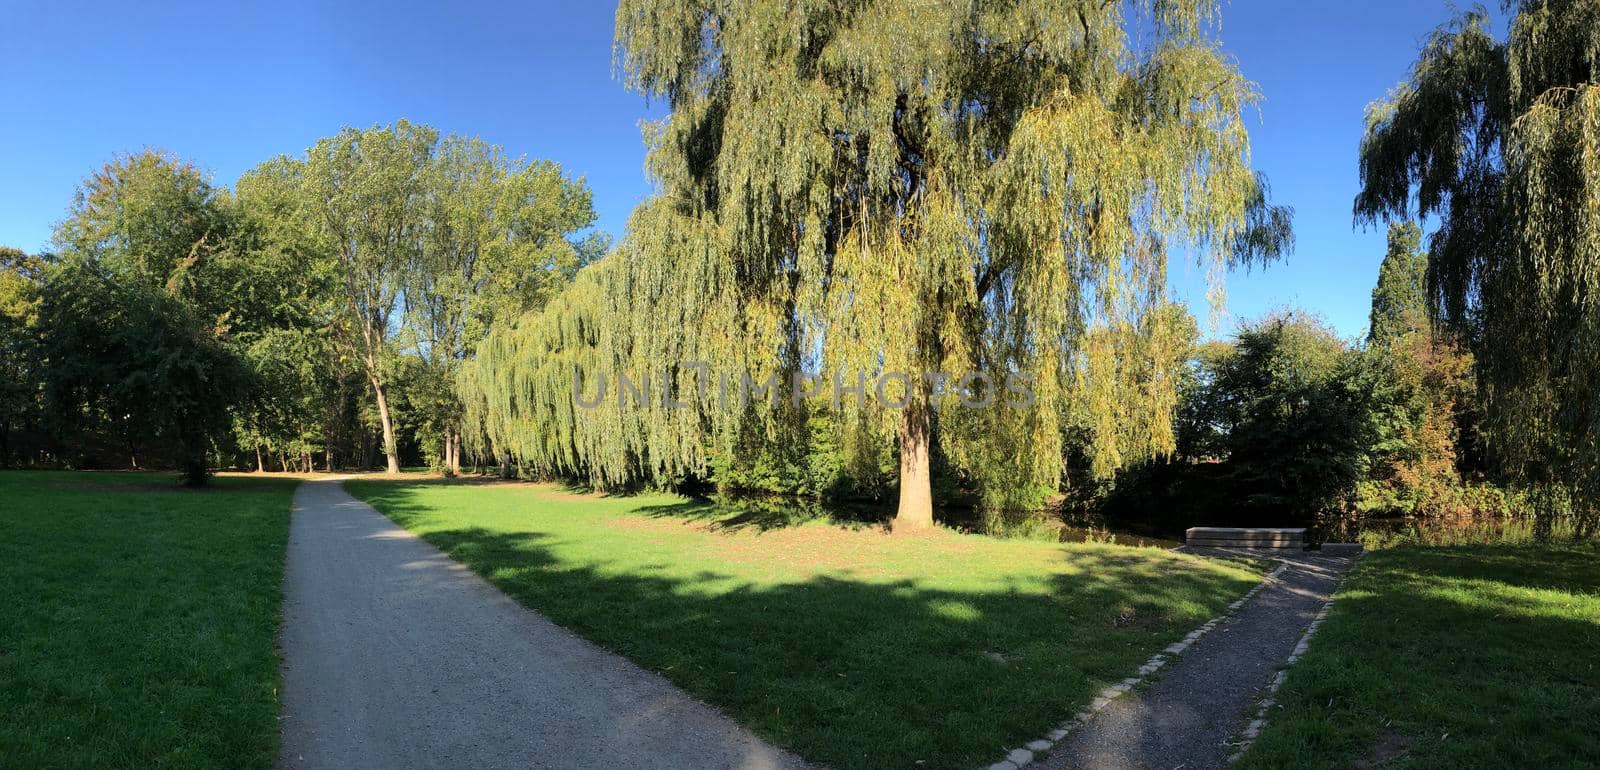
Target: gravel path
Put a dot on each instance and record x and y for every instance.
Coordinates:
(1198, 703)
(395, 656)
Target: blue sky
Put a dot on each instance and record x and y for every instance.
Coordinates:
(230, 84)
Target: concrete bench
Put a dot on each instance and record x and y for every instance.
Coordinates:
(1246, 537)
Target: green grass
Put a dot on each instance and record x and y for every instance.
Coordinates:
(847, 645)
(138, 620)
(1453, 657)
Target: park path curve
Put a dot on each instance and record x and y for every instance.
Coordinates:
(1199, 704)
(396, 656)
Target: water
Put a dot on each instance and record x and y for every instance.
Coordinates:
(772, 511)
(769, 511)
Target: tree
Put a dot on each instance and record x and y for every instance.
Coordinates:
(1498, 139)
(1400, 300)
(366, 192)
(117, 350)
(152, 218)
(926, 188)
(433, 243)
(133, 318)
(500, 241)
(1422, 390)
(1422, 407)
(1287, 407)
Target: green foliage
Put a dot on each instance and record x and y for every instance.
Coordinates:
(123, 353)
(284, 305)
(1423, 409)
(419, 246)
(1287, 408)
(131, 320)
(1400, 300)
(498, 243)
(153, 219)
(1501, 140)
(365, 193)
(20, 275)
(821, 457)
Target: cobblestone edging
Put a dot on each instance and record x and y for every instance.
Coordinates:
(1023, 756)
(1253, 730)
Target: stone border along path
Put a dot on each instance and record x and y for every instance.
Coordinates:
(1252, 731)
(396, 656)
(1187, 717)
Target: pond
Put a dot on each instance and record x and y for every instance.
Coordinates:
(769, 511)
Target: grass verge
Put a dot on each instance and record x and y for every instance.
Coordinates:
(1465, 656)
(847, 645)
(138, 620)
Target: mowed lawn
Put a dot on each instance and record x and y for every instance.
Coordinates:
(847, 645)
(138, 620)
(1459, 657)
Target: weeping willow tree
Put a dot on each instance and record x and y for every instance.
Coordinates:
(920, 188)
(943, 187)
(1501, 140)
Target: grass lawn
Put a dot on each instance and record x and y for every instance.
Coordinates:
(138, 620)
(1473, 656)
(847, 645)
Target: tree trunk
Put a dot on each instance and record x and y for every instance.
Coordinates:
(455, 453)
(327, 461)
(451, 468)
(389, 448)
(261, 467)
(915, 513)
(505, 464)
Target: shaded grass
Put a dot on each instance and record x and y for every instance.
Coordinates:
(138, 620)
(845, 644)
(1463, 656)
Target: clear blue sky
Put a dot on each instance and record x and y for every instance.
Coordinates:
(230, 84)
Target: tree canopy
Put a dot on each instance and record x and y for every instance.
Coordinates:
(429, 242)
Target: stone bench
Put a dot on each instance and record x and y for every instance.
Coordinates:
(1245, 537)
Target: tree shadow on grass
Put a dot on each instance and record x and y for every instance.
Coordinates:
(1558, 566)
(764, 514)
(854, 670)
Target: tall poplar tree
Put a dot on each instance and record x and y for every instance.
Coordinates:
(366, 191)
(1501, 140)
(930, 187)
(501, 240)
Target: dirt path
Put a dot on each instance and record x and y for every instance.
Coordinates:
(395, 656)
(1197, 704)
